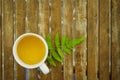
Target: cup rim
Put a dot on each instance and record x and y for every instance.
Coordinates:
(19, 61)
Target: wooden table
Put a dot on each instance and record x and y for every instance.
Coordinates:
(96, 58)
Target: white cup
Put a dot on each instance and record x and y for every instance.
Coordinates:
(41, 64)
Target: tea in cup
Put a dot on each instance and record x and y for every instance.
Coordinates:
(30, 50)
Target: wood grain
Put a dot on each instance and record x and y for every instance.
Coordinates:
(19, 30)
(44, 14)
(8, 39)
(56, 73)
(67, 30)
(92, 20)
(104, 39)
(32, 26)
(93, 39)
(80, 30)
(32, 16)
(115, 40)
(0, 39)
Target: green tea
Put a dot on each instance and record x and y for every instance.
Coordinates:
(31, 50)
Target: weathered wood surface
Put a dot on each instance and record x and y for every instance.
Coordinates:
(8, 39)
(97, 58)
(81, 31)
(115, 40)
(104, 45)
(93, 26)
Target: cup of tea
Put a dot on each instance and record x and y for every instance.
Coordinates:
(30, 50)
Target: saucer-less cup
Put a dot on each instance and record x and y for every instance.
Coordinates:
(41, 64)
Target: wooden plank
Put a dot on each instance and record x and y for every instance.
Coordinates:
(32, 16)
(80, 30)
(19, 30)
(56, 73)
(115, 39)
(32, 26)
(1, 39)
(93, 39)
(44, 14)
(8, 39)
(67, 30)
(104, 39)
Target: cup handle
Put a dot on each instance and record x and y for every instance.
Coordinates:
(44, 68)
